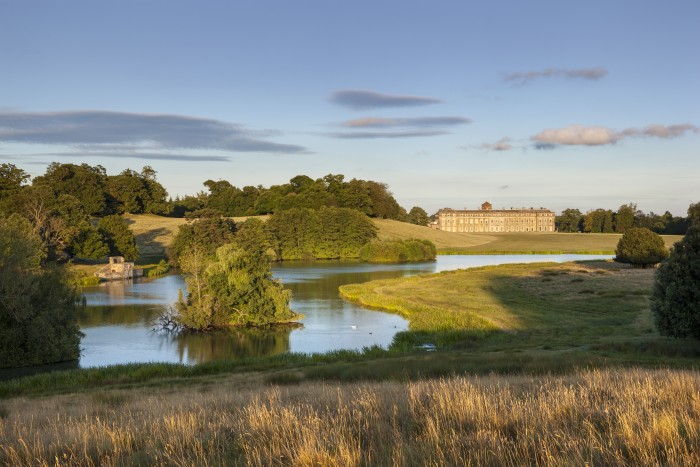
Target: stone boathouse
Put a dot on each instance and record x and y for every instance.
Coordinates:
(118, 269)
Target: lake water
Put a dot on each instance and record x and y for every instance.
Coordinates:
(118, 321)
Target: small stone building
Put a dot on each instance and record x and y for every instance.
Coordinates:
(118, 269)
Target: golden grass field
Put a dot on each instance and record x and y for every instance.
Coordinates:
(154, 234)
(629, 417)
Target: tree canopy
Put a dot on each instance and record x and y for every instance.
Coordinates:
(38, 309)
(326, 233)
(233, 288)
(675, 300)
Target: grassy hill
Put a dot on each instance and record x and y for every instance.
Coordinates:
(154, 234)
(489, 243)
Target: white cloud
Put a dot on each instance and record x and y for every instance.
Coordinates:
(502, 144)
(580, 135)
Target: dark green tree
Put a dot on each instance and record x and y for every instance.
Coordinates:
(624, 217)
(675, 301)
(208, 231)
(38, 310)
(598, 221)
(570, 220)
(640, 247)
(90, 244)
(12, 179)
(84, 182)
(118, 236)
(694, 213)
(326, 233)
(234, 288)
(418, 216)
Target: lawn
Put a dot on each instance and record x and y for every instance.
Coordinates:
(596, 310)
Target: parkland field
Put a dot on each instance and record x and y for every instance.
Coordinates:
(519, 364)
(154, 234)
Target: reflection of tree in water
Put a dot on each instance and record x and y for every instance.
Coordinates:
(327, 285)
(232, 344)
(101, 315)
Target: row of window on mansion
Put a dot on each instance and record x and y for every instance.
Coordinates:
(487, 220)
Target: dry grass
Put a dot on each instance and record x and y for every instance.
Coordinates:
(623, 417)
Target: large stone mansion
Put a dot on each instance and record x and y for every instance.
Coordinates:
(490, 220)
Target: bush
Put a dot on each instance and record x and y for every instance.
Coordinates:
(38, 311)
(398, 251)
(640, 247)
(676, 297)
(161, 269)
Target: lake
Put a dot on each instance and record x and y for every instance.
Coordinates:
(118, 319)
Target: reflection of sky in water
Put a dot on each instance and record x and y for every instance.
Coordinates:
(118, 320)
(141, 291)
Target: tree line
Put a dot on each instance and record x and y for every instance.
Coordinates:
(627, 216)
(66, 202)
(299, 233)
(302, 192)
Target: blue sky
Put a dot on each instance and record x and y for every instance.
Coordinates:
(542, 103)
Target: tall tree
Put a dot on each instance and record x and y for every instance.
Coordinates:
(234, 288)
(12, 179)
(118, 237)
(38, 309)
(570, 220)
(624, 217)
(694, 213)
(418, 216)
(86, 183)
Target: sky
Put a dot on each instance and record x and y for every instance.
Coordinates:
(451, 103)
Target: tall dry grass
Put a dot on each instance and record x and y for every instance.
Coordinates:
(624, 417)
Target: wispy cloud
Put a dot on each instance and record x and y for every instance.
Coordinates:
(579, 135)
(386, 134)
(362, 100)
(142, 155)
(419, 122)
(134, 131)
(524, 77)
(502, 144)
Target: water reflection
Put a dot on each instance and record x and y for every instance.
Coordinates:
(118, 319)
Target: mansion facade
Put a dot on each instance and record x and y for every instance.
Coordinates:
(487, 219)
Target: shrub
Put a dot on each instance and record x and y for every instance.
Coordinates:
(162, 268)
(676, 297)
(398, 251)
(640, 247)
